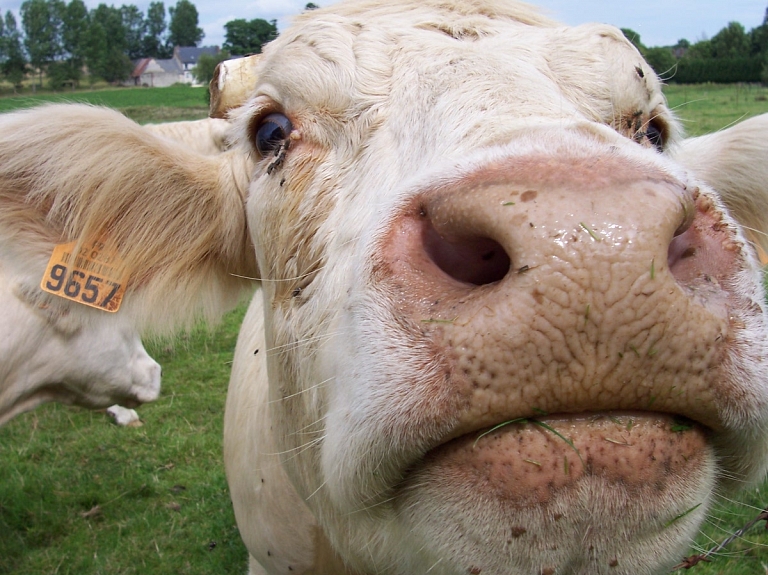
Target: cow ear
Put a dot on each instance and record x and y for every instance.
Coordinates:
(173, 220)
(232, 84)
(734, 162)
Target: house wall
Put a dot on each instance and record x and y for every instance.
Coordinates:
(159, 79)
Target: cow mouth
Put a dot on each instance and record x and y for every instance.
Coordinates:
(609, 492)
(527, 461)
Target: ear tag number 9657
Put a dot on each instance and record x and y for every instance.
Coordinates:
(92, 277)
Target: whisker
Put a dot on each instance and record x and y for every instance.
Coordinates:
(755, 231)
(296, 451)
(316, 490)
(316, 422)
(315, 386)
(304, 341)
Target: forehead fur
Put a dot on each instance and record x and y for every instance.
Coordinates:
(342, 71)
(453, 9)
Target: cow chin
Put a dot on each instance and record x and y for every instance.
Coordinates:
(525, 497)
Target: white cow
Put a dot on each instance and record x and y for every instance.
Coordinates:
(501, 330)
(52, 349)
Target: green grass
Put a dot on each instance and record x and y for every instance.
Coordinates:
(163, 504)
(171, 104)
(708, 108)
(159, 491)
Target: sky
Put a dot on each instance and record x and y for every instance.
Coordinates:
(659, 22)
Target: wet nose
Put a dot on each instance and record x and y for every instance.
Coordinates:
(507, 220)
(565, 284)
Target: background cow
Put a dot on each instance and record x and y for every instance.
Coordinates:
(52, 349)
(500, 329)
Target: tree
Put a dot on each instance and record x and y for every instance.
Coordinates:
(634, 37)
(135, 30)
(107, 45)
(662, 60)
(184, 30)
(41, 22)
(311, 6)
(731, 42)
(701, 50)
(154, 41)
(248, 36)
(74, 35)
(206, 64)
(759, 40)
(12, 63)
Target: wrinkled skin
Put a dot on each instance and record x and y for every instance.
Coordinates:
(478, 226)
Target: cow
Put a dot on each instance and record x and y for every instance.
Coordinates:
(207, 136)
(52, 349)
(52, 352)
(502, 325)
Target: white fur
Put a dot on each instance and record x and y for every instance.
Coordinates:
(208, 136)
(53, 351)
(743, 184)
(56, 350)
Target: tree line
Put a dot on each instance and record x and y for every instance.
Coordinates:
(242, 37)
(63, 39)
(732, 55)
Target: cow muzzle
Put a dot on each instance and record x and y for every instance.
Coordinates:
(587, 315)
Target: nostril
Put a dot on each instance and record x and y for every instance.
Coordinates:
(469, 259)
(688, 215)
(681, 249)
(704, 253)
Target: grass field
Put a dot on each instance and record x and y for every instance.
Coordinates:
(711, 107)
(80, 496)
(144, 105)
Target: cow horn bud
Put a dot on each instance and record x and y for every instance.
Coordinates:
(233, 81)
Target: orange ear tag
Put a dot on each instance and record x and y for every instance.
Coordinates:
(93, 277)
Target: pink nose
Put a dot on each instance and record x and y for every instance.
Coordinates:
(564, 284)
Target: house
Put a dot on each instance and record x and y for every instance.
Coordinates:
(188, 57)
(159, 73)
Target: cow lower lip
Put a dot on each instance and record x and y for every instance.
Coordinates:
(590, 493)
(527, 462)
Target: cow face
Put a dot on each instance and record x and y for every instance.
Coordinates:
(507, 334)
(55, 352)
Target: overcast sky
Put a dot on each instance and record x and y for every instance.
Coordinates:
(659, 22)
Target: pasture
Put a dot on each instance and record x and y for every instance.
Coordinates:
(175, 103)
(79, 495)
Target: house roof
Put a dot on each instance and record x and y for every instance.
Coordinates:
(170, 65)
(154, 65)
(191, 54)
(139, 67)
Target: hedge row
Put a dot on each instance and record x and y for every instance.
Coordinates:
(720, 70)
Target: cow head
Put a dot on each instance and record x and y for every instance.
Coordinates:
(53, 351)
(507, 333)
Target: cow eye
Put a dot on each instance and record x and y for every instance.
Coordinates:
(655, 135)
(271, 132)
